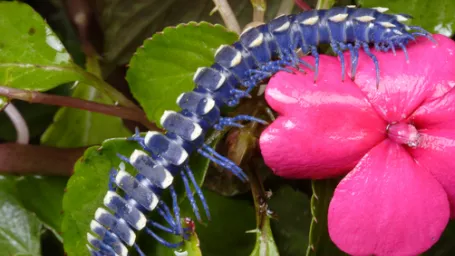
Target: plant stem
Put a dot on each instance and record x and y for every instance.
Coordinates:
(93, 66)
(33, 159)
(56, 100)
(101, 85)
(303, 5)
(227, 15)
(259, 7)
(286, 7)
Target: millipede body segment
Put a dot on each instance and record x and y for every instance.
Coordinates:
(260, 52)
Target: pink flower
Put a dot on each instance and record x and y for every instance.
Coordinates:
(396, 143)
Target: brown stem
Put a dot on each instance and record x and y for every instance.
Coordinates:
(32, 159)
(49, 99)
(303, 5)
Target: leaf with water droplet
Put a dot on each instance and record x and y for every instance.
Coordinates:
(31, 55)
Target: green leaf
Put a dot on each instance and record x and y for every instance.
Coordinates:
(86, 190)
(43, 196)
(31, 55)
(165, 66)
(436, 16)
(76, 128)
(320, 243)
(292, 226)
(20, 230)
(445, 245)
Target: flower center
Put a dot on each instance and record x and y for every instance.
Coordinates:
(403, 133)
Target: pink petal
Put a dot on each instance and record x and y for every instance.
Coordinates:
(435, 153)
(325, 128)
(387, 205)
(404, 86)
(288, 93)
(438, 113)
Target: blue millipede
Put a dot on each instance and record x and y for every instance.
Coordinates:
(259, 53)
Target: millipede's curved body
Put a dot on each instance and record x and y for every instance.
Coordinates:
(238, 68)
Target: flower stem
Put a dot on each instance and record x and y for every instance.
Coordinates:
(225, 10)
(64, 101)
(259, 7)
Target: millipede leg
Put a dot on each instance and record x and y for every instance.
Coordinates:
(306, 64)
(237, 95)
(425, 35)
(254, 80)
(392, 46)
(227, 161)
(224, 162)
(403, 47)
(190, 174)
(139, 251)
(419, 29)
(221, 125)
(164, 211)
(189, 194)
(138, 138)
(271, 67)
(258, 72)
(175, 207)
(354, 50)
(111, 185)
(277, 65)
(315, 54)
(337, 50)
(163, 228)
(232, 121)
(294, 61)
(161, 240)
(366, 48)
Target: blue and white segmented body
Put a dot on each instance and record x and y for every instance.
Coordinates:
(260, 52)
